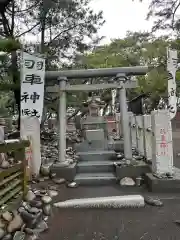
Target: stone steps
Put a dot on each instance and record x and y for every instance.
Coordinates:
(101, 155)
(95, 179)
(95, 167)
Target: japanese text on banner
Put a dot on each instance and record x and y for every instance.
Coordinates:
(32, 86)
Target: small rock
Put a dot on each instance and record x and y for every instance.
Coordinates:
(41, 227)
(25, 205)
(5, 164)
(72, 185)
(7, 216)
(43, 191)
(35, 203)
(127, 182)
(46, 177)
(19, 235)
(177, 222)
(11, 160)
(47, 209)
(46, 199)
(138, 157)
(38, 193)
(51, 187)
(7, 237)
(30, 196)
(32, 237)
(15, 224)
(153, 201)
(45, 170)
(21, 209)
(33, 210)
(2, 223)
(31, 219)
(59, 180)
(52, 193)
(14, 213)
(2, 233)
(45, 218)
(52, 175)
(42, 179)
(120, 156)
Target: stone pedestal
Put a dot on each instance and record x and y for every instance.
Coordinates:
(162, 150)
(68, 173)
(140, 169)
(164, 185)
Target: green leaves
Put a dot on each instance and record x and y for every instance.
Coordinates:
(135, 49)
(9, 45)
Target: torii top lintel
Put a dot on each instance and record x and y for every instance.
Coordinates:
(101, 72)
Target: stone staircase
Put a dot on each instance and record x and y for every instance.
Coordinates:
(96, 167)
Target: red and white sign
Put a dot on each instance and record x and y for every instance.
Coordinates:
(163, 148)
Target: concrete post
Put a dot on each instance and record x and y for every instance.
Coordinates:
(124, 118)
(162, 148)
(62, 122)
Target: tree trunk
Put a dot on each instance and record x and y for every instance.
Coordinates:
(15, 77)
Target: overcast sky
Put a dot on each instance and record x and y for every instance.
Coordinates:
(122, 16)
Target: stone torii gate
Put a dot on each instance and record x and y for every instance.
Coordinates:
(122, 81)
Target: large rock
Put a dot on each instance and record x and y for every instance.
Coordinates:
(2, 233)
(34, 210)
(30, 196)
(52, 193)
(59, 180)
(2, 223)
(31, 219)
(7, 216)
(41, 227)
(7, 237)
(19, 235)
(35, 203)
(46, 199)
(45, 169)
(47, 209)
(15, 224)
(5, 164)
(127, 182)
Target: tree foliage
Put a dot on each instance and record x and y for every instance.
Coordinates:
(165, 14)
(62, 27)
(134, 50)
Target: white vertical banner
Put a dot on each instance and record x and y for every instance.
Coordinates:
(32, 85)
(172, 66)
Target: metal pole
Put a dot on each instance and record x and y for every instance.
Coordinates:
(124, 119)
(62, 123)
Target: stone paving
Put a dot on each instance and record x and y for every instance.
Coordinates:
(149, 223)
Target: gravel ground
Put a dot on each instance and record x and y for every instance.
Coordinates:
(149, 223)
